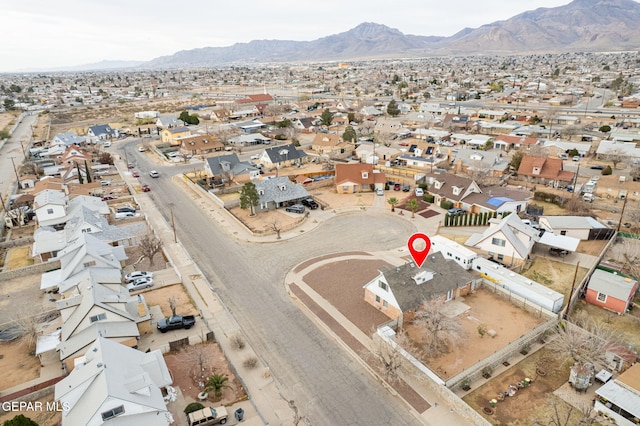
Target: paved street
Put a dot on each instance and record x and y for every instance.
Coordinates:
(312, 369)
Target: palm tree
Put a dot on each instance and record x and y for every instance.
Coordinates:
(216, 383)
(413, 205)
(393, 201)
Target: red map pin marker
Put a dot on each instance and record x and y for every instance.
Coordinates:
(419, 254)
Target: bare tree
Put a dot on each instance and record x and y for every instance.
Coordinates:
(480, 171)
(28, 320)
(200, 362)
(616, 156)
(560, 415)
(390, 356)
(173, 304)
(275, 227)
(440, 331)
(631, 257)
(150, 245)
(297, 417)
(538, 151)
(587, 345)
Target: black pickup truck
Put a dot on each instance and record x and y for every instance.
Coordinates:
(176, 322)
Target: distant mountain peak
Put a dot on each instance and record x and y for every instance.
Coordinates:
(582, 25)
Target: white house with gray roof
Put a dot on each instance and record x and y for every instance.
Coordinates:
(67, 139)
(283, 156)
(573, 226)
(278, 192)
(507, 240)
(114, 384)
(399, 292)
(226, 168)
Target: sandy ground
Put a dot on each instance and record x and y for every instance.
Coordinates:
(341, 284)
(497, 313)
(40, 414)
(264, 221)
(7, 119)
(185, 370)
(328, 195)
(17, 365)
(160, 297)
(18, 257)
(534, 402)
(556, 275)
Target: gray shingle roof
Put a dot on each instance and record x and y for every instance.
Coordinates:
(448, 275)
(278, 154)
(280, 190)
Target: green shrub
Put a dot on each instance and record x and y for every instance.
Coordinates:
(607, 171)
(280, 137)
(428, 198)
(446, 204)
(194, 406)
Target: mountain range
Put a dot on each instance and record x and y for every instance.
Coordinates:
(582, 25)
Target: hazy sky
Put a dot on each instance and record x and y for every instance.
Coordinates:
(59, 33)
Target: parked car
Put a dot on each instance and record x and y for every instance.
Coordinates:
(406, 188)
(137, 275)
(107, 144)
(419, 192)
(109, 197)
(141, 149)
(255, 157)
(105, 182)
(379, 191)
(296, 208)
(126, 209)
(454, 211)
(558, 252)
(131, 166)
(124, 215)
(310, 203)
(597, 167)
(135, 174)
(208, 416)
(176, 322)
(576, 158)
(140, 283)
(397, 187)
(154, 174)
(146, 188)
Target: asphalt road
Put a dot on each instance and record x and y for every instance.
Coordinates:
(326, 382)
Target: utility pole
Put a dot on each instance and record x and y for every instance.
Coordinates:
(15, 170)
(173, 224)
(622, 213)
(573, 286)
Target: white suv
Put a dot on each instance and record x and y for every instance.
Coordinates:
(419, 192)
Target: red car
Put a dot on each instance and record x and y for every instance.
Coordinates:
(397, 187)
(146, 188)
(109, 197)
(135, 174)
(131, 165)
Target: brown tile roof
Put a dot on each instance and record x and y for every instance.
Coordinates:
(201, 143)
(326, 139)
(449, 181)
(51, 183)
(353, 173)
(256, 98)
(550, 168)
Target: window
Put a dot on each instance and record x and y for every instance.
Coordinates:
(383, 285)
(49, 211)
(106, 415)
(90, 263)
(500, 256)
(365, 175)
(98, 317)
(449, 295)
(498, 242)
(345, 188)
(602, 297)
(377, 299)
(385, 303)
(563, 232)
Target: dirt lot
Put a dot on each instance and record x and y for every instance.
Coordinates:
(328, 195)
(194, 364)
(7, 119)
(534, 402)
(341, 284)
(18, 257)
(42, 417)
(134, 263)
(17, 365)
(627, 325)
(264, 221)
(556, 275)
(160, 297)
(22, 295)
(497, 313)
